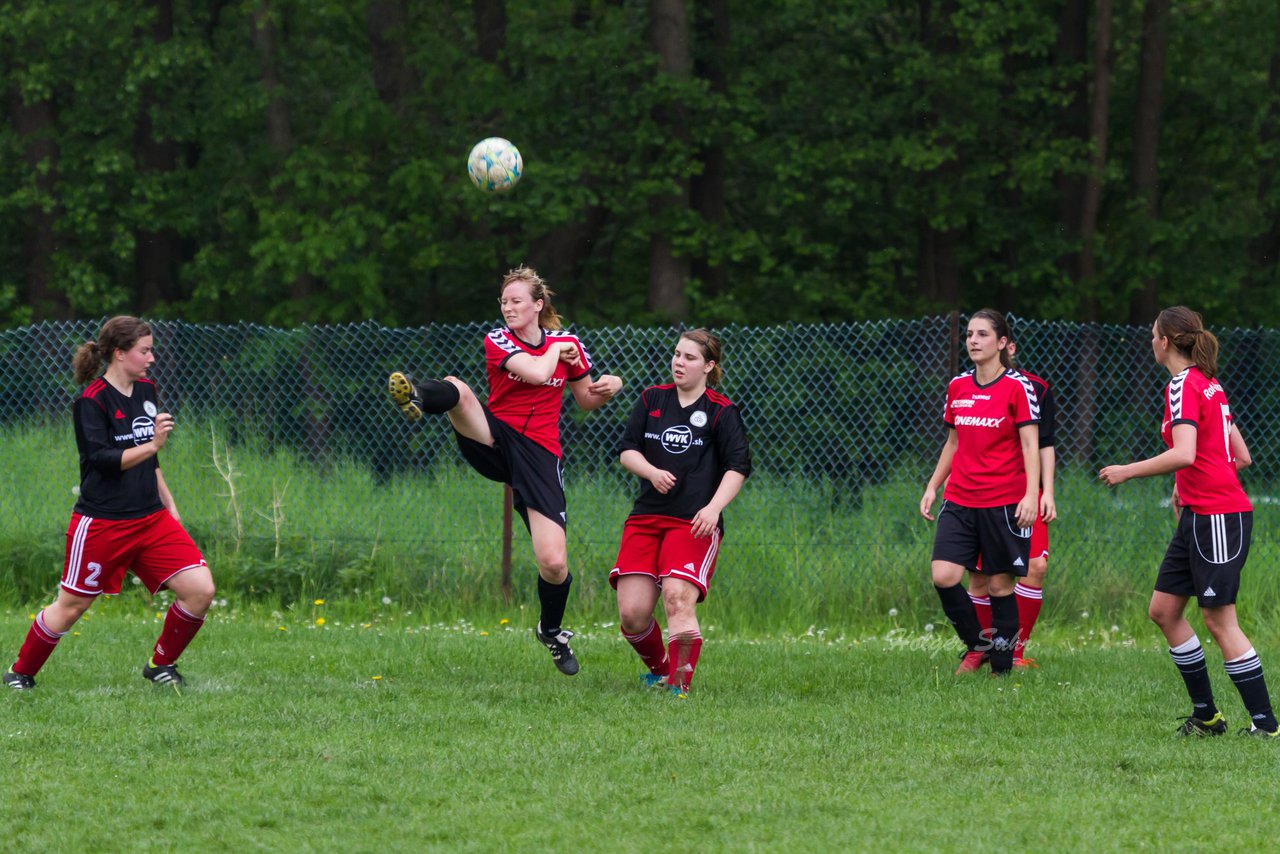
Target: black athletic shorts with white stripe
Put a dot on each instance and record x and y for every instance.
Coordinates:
(964, 533)
(1205, 557)
(535, 475)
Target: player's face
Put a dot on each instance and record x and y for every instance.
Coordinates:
(519, 309)
(689, 368)
(1159, 344)
(982, 342)
(138, 359)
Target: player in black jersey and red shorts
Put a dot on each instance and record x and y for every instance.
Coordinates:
(125, 518)
(1028, 592)
(1215, 524)
(687, 444)
(991, 466)
(515, 438)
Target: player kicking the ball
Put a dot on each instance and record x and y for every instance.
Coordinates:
(515, 438)
(688, 446)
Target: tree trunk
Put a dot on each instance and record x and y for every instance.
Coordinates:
(1146, 142)
(279, 130)
(939, 271)
(491, 32)
(34, 124)
(707, 190)
(1072, 51)
(1090, 205)
(668, 272)
(157, 251)
(1264, 251)
(395, 81)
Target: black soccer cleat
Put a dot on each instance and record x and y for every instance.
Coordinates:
(1193, 726)
(163, 674)
(404, 393)
(558, 645)
(19, 681)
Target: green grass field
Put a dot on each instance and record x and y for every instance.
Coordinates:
(380, 731)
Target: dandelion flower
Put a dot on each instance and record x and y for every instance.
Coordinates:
(31, 616)
(1084, 615)
(484, 634)
(893, 612)
(282, 628)
(318, 602)
(319, 621)
(928, 627)
(501, 622)
(386, 600)
(377, 679)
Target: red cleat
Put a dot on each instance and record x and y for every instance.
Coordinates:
(971, 663)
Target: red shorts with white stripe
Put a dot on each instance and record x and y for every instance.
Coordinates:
(664, 547)
(99, 552)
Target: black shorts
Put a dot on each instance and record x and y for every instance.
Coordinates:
(1205, 557)
(534, 474)
(965, 533)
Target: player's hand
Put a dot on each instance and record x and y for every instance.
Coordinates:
(662, 480)
(607, 386)
(704, 522)
(569, 352)
(1114, 475)
(926, 503)
(164, 426)
(1048, 508)
(1026, 511)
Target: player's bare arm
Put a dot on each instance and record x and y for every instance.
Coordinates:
(705, 520)
(940, 473)
(592, 394)
(536, 370)
(635, 462)
(1181, 455)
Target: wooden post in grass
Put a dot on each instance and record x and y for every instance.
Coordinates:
(506, 544)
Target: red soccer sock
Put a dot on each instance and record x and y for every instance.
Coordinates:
(648, 645)
(1029, 600)
(37, 648)
(179, 628)
(982, 604)
(682, 657)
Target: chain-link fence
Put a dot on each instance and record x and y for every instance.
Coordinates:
(845, 422)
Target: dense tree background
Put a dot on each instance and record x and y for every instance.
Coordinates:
(754, 161)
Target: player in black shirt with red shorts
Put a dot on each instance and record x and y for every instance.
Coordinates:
(687, 444)
(126, 518)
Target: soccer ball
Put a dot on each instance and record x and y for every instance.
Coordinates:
(494, 165)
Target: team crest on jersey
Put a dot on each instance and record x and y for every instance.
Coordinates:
(149, 408)
(698, 419)
(144, 430)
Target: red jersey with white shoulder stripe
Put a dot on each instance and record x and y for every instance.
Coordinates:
(1210, 485)
(532, 410)
(988, 470)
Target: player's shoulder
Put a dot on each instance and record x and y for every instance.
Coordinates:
(716, 398)
(562, 335)
(661, 391)
(1184, 379)
(962, 378)
(96, 390)
(502, 338)
(1036, 380)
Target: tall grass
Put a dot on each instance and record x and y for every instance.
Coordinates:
(797, 553)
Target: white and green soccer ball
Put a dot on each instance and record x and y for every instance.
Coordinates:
(495, 165)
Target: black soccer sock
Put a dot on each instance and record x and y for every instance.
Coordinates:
(553, 597)
(1189, 657)
(958, 607)
(438, 396)
(1004, 632)
(1246, 673)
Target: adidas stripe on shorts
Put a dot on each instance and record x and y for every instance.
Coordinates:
(1206, 556)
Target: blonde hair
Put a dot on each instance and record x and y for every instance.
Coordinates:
(1185, 330)
(712, 351)
(118, 333)
(548, 318)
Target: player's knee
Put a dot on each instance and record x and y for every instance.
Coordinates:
(679, 603)
(1035, 571)
(1162, 615)
(633, 620)
(1219, 620)
(553, 569)
(946, 574)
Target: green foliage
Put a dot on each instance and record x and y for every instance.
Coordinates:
(847, 129)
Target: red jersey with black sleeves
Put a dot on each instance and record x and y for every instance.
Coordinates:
(1048, 409)
(532, 410)
(108, 423)
(988, 470)
(697, 443)
(1210, 485)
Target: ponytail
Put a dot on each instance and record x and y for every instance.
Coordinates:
(1185, 330)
